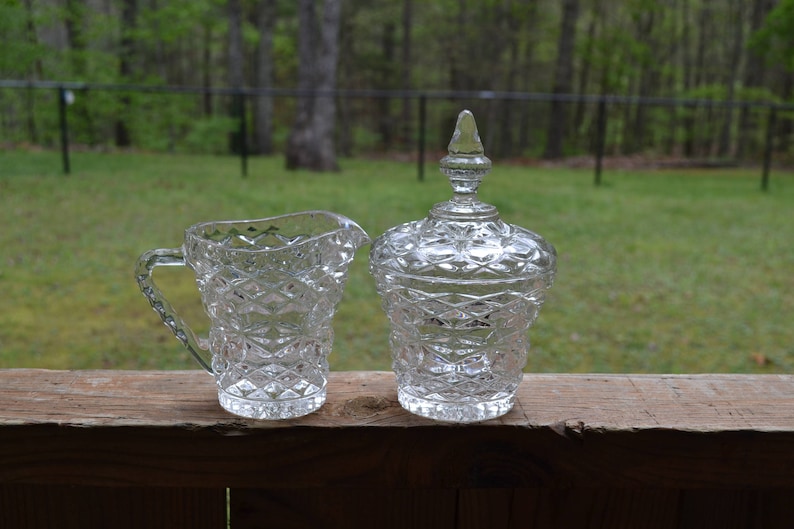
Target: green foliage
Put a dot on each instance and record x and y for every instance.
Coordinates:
(631, 48)
(716, 92)
(177, 19)
(774, 39)
(209, 135)
(20, 51)
(14, 127)
(613, 54)
(756, 93)
(285, 52)
(159, 122)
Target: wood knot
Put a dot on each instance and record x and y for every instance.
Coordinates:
(365, 406)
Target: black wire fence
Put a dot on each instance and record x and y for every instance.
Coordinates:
(513, 124)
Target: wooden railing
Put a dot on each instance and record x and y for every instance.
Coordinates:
(153, 449)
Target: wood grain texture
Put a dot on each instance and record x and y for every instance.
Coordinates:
(80, 507)
(537, 508)
(697, 403)
(566, 431)
(343, 508)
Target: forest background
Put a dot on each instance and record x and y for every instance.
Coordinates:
(706, 50)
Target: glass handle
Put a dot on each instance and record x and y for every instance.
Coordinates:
(143, 273)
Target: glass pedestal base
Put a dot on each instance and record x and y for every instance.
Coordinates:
(455, 411)
(271, 409)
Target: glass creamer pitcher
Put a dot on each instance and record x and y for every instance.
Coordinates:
(270, 288)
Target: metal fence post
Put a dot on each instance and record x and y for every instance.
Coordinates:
(770, 140)
(64, 129)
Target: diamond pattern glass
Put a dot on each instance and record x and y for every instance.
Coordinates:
(270, 288)
(461, 289)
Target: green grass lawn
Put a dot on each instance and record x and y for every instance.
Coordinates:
(659, 271)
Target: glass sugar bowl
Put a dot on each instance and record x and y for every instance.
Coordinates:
(461, 289)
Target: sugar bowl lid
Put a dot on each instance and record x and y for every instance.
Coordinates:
(463, 239)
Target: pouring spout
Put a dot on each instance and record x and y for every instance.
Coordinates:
(355, 233)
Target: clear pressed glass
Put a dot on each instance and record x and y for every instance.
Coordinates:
(270, 287)
(461, 289)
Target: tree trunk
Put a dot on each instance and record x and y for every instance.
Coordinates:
(732, 75)
(206, 66)
(35, 74)
(236, 79)
(311, 142)
(263, 104)
(299, 153)
(385, 121)
(406, 68)
(77, 44)
(703, 139)
(526, 111)
(324, 118)
(587, 60)
(129, 15)
(753, 77)
(671, 81)
(563, 79)
(75, 36)
(511, 25)
(686, 56)
(648, 79)
(164, 68)
(347, 70)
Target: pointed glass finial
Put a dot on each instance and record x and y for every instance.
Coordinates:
(465, 166)
(466, 139)
(466, 163)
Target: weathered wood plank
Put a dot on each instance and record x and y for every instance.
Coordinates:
(696, 403)
(344, 508)
(590, 508)
(165, 428)
(538, 508)
(79, 507)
